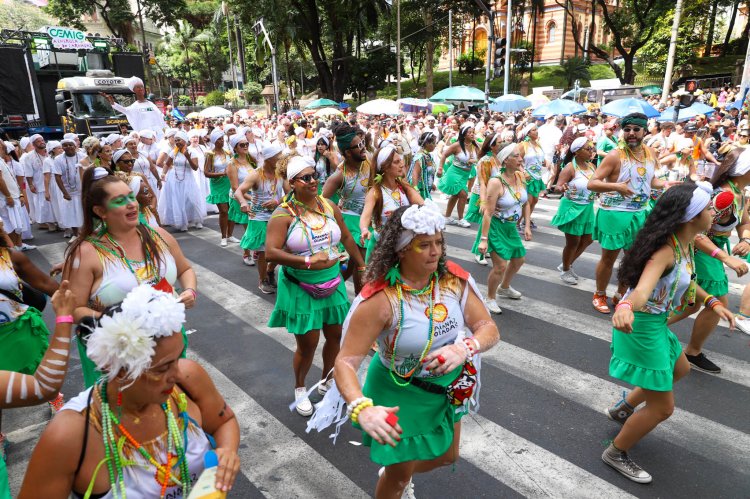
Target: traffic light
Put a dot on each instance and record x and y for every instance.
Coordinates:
(501, 50)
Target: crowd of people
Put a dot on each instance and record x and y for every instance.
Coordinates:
(318, 202)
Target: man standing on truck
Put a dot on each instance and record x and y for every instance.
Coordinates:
(142, 114)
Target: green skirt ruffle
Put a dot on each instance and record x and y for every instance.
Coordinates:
(4, 485)
(709, 272)
(255, 236)
(352, 223)
(235, 212)
(370, 245)
(647, 356)
(453, 181)
(534, 186)
(425, 192)
(426, 418)
(473, 214)
(23, 342)
(299, 312)
(502, 239)
(616, 230)
(220, 188)
(478, 238)
(573, 218)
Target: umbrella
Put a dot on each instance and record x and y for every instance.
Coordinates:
(411, 105)
(537, 100)
(328, 111)
(558, 106)
(441, 108)
(244, 113)
(296, 113)
(624, 107)
(510, 103)
(461, 93)
(686, 114)
(649, 90)
(319, 103)
(193, 116)
(379, 106)
(215, 112)
(737, 104)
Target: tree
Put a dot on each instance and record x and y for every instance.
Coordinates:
(654, 53)
(730, 28)
(632, 24)
(572, 69)
(17, 14)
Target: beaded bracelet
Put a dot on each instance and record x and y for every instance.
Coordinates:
(712, 304)
(625, 303)
(466, 347)
(355, 413)
(707, 299)
(354, 403)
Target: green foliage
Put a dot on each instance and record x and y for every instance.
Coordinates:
(372, 70)
(234, 96)
(572, 69)
(200, 101)
(18, 14)
(252, 91)
(184, 100)
(471, 63)
(214, 98)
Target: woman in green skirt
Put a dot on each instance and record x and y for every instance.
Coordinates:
(303, 237)
(417, 306)
(659, 274)
(575, 214)
(533, 163)
(215, 169)
(487, 167)
(506, 204)
(422, 171)
(455, 181)
(238, 169)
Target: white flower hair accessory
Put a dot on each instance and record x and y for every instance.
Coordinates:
(420, 220)
(126, 340)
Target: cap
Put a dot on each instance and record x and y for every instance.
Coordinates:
(690, 128)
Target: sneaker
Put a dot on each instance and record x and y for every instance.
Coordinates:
(464, 223)
(742, 323)
(600, 303)
(480, 259)
(223, 242)
(72, 238)
(324, 387)
(272, 279)
(533, 225)
(450, 221)
(573, 272)
(509, 292)
(199, 225)
(233, 239)
(67, 233)
(25, 247)
(408, 492)
(183, 228)
(492, 306)
(622, 463)
(567, 278)
(304, 406)
(266, 288)
(701, 363)
(248, 260)
(621, 411)
(57, 404)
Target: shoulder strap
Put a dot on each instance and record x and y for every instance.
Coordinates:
(85, 432)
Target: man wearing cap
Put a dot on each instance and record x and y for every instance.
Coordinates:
(142, 113)
(67, 176)
(624, 179)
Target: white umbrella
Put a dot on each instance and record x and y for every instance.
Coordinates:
(215, 112)
(379, 106)
(328, 111)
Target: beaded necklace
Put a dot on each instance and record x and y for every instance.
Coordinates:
(516, 195)
(122, 256)
(70, 178)
(578, 168)
(309, 228)
(430, 288)
(184, 169)
(344, 195)
(176, 441)
(688, 255)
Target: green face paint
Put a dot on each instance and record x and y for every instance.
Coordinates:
(121, 201)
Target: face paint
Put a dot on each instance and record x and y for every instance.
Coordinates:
(121, 201)
(415, 246)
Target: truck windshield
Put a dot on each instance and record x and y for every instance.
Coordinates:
(95, 106)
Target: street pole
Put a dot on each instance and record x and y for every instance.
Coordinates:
(225, 11)
(450, 47)
(670, 56)
(745, 85)
(398, 49)
(508, 30)
(262, 27)
(490, 48)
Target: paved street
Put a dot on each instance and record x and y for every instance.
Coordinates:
(541, 428)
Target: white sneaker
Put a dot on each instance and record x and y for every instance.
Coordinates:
(450, 221)
(233, 239)
(509, 293)
(199, 225)
(304, 406)
(480, 259)
(324, 387)
(26, 247)
(223, 242)
(492, 306)
(568, 278)
(742, 324)
(67, 233)
(249, 261)
(464, 223)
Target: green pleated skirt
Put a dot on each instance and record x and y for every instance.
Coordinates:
(573, 218)
(299, 312)
(352, 223)
(4, 485)
(220, 188)
(535, 186)
(254, 238)
(23, 342)
(502, 239)
(454, 180)
(709, 272)
(474, 214)
(616, 230)
(235, 212)
(426, 418)
(647, 356)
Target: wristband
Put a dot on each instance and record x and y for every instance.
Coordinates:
(483, 238)
(354, 403)
(707, 299)
(64, 319)
(195, 294)
(625, 303)
(307, 262)
(715, 304)
(715, 252)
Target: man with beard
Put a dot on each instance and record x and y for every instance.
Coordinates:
(624, 179)
(142, 114)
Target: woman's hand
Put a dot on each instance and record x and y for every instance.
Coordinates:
(623, 319)
(724, 313)
(373, 422)
(741, 248)
(527, 233)
(187, 297)
(320, 261)
(63, 300)
(364, 237)
(738, 265)
(482, 248)
(56, 269)
(451, 356)
(229, 466)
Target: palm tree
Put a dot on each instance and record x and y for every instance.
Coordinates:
(572, 69)
(184, 36)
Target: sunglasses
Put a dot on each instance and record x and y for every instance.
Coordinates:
(129, 161)
(243, 144)
(308, 178)
(361, 145)
(121, 201)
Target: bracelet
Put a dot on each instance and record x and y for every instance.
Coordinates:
(476, 343)
(354, 403)
(355, 413)
(64, 319)
(713, 303)
(195, 294)
(707, 299)
(466, 348)
(625, 303)
(307, 262)
(362, 268)
(745, 240)
(715, 252)
(483, 238)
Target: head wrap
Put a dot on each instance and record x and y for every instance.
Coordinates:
(299, 131)
(70, 136)
(67, 141)
(419, 220)
(324, 139)
(345, 141)
(634, 119)
(229, 127)
(133, 81)
(741, 166)
(506, 152)
(9, 147)
(236, 139)
(243, 130)
(35, 137)
(147, 134)
(129, 139)
(52, 145)
(258, 133)
(112, 138)
(170, 132)
(297, 164)
(216, 134)
(578, 144)
(119, 154)
(271, 149)
(683, 143)
(383, 155)
(135, 184)
(581, 128)
(525, 130)
(181, 135)
(100, 173)
(194, 132)
(125, 341)
(699, 201)
(24, 143)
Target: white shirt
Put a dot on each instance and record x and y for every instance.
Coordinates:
(549, 138)
(143, 115)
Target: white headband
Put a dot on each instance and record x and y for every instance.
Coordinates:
(383, 155)
(418, 220)
(324, 139)
(135, 184)
(506, 152)
(466, 126)
(741, 166)
(100, 172)
(297, 164)
(699, 201)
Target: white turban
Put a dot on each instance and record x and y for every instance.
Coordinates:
(35, 137)
(299, 131)
(578, 144)
(229, 127)
(24, 143)
(383, 155)
(741, 166)
(133, 81)
(271, 149)
(258, 133)
(52, 145)
(9, 147)
(147, 134)
(506, 152)
(170, 132)
(181, 135)
(699, 201)
(100, 172)
(297, 164)
(129, 138)
(112, 138)
(67, 141)
(135, 184)
(119, 154)
(236, 139)
(216, 134)
(70, 136)
(418, 220)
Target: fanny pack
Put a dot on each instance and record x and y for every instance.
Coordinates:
(457, 392)
(319, 290)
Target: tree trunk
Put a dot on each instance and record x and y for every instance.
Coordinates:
(428, 88)
(711, 28)
(628, 75)
(190, 73)
(208, 65)
(534, 14)
(730, 28)
(592, 32)
(289, 88)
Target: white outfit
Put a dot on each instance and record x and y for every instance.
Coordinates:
(71, 211)
(15, 218)
(54, 191)
(180, 203)
(199, 175)
(143, 167)
(549, 138)
(143, 115)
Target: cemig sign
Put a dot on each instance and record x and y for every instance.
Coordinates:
(68, 38)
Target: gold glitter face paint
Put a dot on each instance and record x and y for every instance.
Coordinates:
(415, 246)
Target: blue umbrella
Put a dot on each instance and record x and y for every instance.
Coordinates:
(558, 106)
(510, 103)
(624, 107)
(686, 114)
(737, 104)
(460, 93)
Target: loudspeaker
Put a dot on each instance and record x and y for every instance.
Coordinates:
(15, 82)
(127, 64)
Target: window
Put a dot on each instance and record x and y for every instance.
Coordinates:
(551, 32)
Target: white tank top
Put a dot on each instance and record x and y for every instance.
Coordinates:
(669, 289)
(638, 176)
(392, 201)
(10, 310)
(313, 232)
(353, 191)
(509, 206)
(268, 190)
(463, 158)
(533, 161)
(220, 163)
(578, 189)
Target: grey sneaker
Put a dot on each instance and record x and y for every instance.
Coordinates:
(509, 292)
(622, 463)
(568, 278)
(572, 272)
(266, 288)
(492, 306)
(621, 411)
